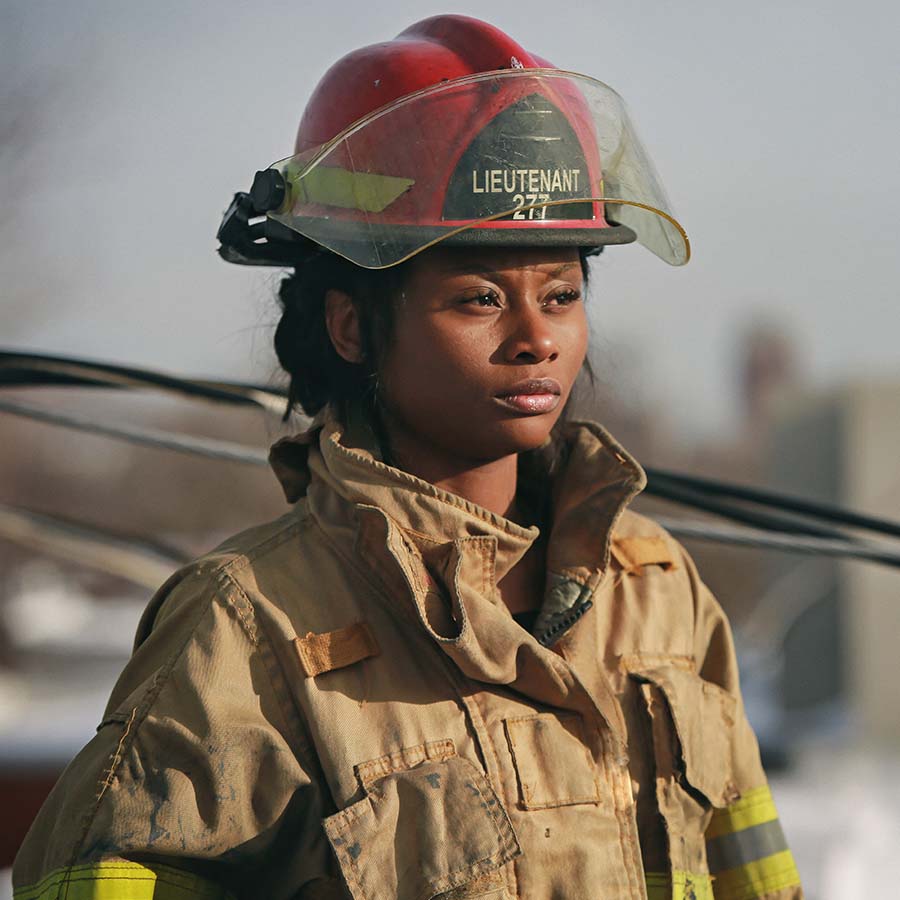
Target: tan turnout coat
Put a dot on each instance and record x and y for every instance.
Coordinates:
(338, 704)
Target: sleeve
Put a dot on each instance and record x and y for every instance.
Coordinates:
(198, 783)
(746, 848)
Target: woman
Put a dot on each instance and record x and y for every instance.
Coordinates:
(459, 667)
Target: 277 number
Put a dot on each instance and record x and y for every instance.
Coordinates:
(539, 212)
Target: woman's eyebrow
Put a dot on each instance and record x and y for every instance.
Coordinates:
(475, 269)
(565, 267)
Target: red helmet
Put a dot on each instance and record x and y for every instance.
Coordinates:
(453, 132)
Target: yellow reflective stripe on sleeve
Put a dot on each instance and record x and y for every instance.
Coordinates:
(122, 880)
(746, 848)
(755, 879)
(754, 808)
(678, 886)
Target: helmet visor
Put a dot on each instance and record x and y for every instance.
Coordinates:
(512, 157)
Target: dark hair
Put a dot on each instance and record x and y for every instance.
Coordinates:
(318, 374)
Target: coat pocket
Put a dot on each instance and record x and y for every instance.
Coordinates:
(693, 729)
(692, 725)
(423, 831)
(553, 764)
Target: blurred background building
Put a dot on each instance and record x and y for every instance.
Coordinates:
(770, 360)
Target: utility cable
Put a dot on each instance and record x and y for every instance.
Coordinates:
(18, 369)
(824, 511)
(667, 490)
(142, 561)
(144, 437)
(752, 537)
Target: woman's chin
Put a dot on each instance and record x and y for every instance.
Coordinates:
(514, 436)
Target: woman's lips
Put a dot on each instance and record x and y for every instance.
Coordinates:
(534, 397)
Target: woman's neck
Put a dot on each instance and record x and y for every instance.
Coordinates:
(491, 485)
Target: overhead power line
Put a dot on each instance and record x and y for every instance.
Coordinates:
(801, 506)
(19, 369)
(143, 437)
(144, 562)
(670, 489)
(791, 543)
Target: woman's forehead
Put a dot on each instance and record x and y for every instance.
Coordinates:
(449, 261)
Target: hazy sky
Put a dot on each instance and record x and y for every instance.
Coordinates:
(774, 126)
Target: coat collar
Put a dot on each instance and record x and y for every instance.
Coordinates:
(334, 467)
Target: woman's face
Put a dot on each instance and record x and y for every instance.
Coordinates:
(486, 347)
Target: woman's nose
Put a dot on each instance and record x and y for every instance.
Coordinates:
(531, 339)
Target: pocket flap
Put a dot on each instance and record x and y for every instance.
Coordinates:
(703, 716)
(552, 761)
(420, 832)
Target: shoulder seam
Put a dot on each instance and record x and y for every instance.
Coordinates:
(243, 609)
(290, 715)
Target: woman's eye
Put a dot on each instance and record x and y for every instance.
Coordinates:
(485, 298)
(563, 298)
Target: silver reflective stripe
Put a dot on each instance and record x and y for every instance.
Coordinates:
(742, 847)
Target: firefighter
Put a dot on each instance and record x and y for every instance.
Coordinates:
(459, 667)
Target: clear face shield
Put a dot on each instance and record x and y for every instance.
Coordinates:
(518, 157)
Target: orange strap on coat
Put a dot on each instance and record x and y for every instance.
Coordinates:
(335, 649)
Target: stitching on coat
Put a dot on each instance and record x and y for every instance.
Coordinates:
(417, 569)
(427, 539)
(404, 759)
(116, 757)
(484, 741)
(490, 564)
(294, 724)
(342, 821)
(249, 627)
(625, 824)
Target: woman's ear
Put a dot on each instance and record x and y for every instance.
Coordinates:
(342, 322)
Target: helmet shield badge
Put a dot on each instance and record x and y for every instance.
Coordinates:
(528, 154)
(512, 157)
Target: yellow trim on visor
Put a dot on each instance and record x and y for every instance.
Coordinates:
(341, 188)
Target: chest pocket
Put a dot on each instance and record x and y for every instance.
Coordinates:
(692, 723)
(429, 825)
(553, 764)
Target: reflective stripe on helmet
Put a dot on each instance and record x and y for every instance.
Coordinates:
(334, 186)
